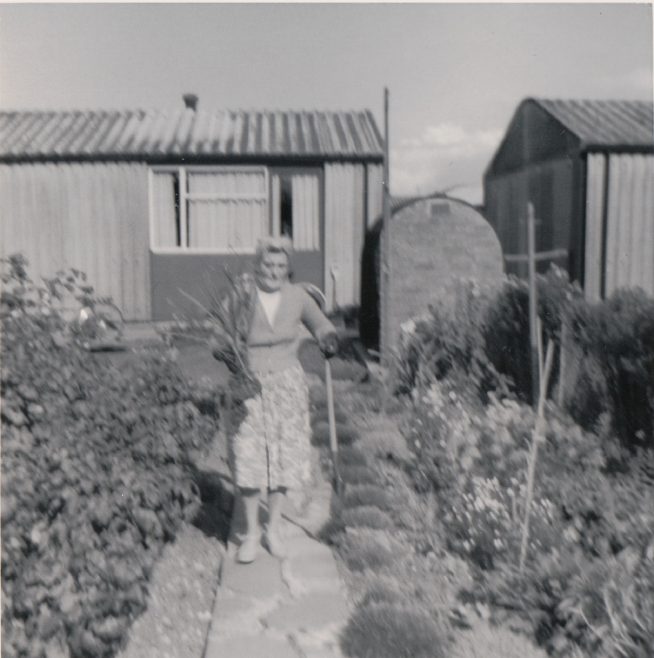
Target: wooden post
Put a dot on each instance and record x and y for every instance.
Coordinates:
(533, 301)
(537, 437)
(563, 347)
(385, 274)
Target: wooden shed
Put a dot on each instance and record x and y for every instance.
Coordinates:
(149, 203)
(588, 168)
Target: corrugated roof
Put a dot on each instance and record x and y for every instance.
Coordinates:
(188, 133)
(605, 122)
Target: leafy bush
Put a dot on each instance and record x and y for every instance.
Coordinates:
(619, 334)
(483, 346)
(345, 434)
(370, 549)
(95, 477)
(358, 475)
(368, 495)
(450, 345)
(366, 517)
(351, 456)
(390, 630)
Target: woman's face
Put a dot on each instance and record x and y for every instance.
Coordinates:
(272, 271)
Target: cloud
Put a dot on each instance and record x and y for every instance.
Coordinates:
(444, 155)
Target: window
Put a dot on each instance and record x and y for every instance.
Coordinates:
(215, 209)
(296, 207)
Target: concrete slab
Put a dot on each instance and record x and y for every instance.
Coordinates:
(317, 571)
(258, 646)
(311, 613)
(261, 578)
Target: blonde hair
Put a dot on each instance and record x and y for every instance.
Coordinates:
(281, 244)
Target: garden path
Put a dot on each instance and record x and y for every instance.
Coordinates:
(203, 604)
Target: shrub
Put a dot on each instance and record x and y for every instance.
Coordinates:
(383, 589)
(366, 517)
(345, 434)
(95, 477)
(351, 456)
(449, 344)
(368, 495)
(358, 475)
(370, 549)
(388, 630)
(619, 333)
(320, 416)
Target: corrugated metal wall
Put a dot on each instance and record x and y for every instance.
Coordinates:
(375, 193)
(550, 187)
(619, 220)
(345, 221)
(93, 217)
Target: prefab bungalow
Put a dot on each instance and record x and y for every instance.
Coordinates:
(588, 168)
(152, 203)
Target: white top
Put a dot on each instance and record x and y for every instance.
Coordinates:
(270, 302)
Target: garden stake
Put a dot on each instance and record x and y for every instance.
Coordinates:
(536, 439)
(333, 441)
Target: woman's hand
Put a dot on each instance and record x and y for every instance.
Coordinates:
(243, 387)
(329, 345)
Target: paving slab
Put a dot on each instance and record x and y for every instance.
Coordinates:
(317, 572)
(311, 613)
(261, 578)
(256, 646)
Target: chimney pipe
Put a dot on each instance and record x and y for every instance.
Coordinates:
(190, 101)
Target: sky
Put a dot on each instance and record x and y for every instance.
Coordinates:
(455, 72)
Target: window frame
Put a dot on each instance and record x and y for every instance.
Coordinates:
(182, 172)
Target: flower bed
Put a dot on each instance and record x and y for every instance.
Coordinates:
(95, 477)
(587, 587)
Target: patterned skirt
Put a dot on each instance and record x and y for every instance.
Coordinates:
(271, 446)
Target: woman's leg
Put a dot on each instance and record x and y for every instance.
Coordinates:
(273, 538)
(251, 506)
(276, 499)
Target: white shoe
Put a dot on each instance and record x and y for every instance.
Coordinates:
(273, 542)
(247, 551)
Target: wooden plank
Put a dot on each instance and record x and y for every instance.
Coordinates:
(533, 302)
(540, 256)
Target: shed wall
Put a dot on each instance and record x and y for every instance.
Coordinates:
(93, 217)
(619, 224)
(345, 222)
(550, 186)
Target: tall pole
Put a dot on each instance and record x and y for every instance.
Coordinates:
(386, 247)
(533, 303)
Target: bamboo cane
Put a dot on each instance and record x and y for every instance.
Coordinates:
(536, 439)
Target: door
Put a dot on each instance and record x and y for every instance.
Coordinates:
(296, 210)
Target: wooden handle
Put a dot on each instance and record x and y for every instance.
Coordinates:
(333, 441)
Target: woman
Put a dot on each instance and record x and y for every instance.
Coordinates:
(270, 449)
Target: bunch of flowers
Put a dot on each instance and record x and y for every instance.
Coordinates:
(484, 522)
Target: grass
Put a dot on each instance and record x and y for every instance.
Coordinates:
(391, 630)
